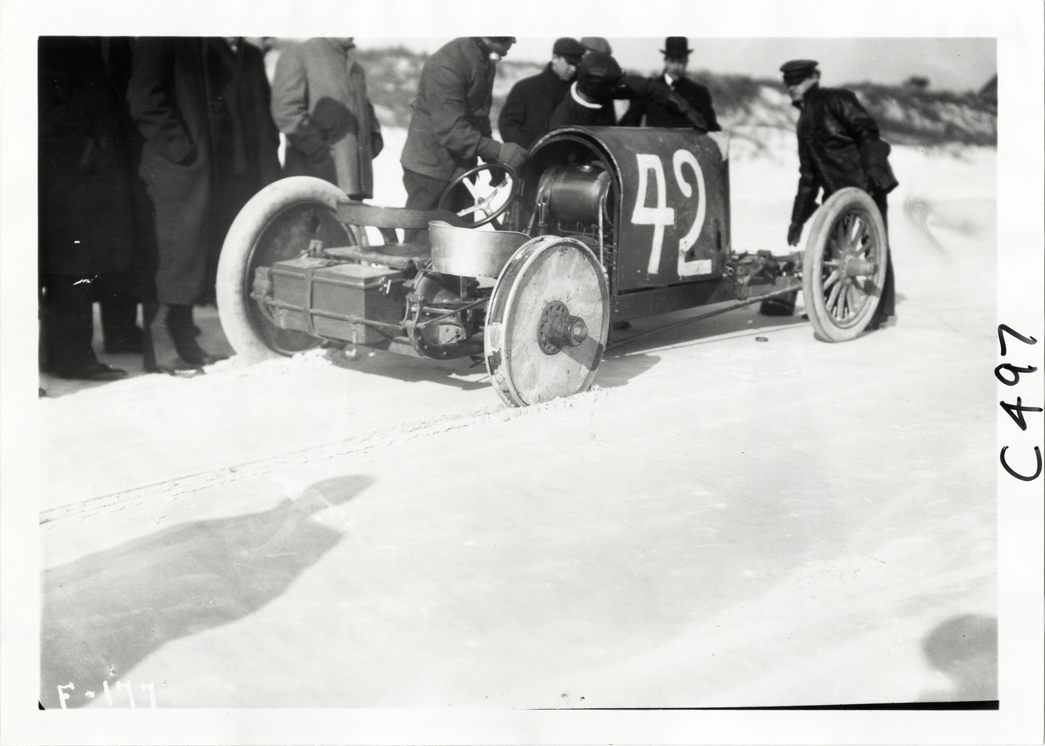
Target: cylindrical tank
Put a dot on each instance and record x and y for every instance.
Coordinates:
(574, 192)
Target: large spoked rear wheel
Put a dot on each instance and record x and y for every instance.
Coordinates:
(547, 322)
(844, 267)
(278, 223)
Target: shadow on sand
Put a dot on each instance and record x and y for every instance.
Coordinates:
(105, 612)
(462, 372)
(629, 357)
(965, 649)
(683, 328)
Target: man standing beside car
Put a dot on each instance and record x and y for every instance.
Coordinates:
(838, 146)
(450, 125)
(85, 202)
(201, 107)
(320, 102)
(529, 105)
(676, 56)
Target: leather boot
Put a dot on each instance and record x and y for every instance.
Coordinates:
(161, 351)
(179, 320)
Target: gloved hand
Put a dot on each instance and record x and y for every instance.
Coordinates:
(794, 234)
(880, 180)
(697, 120)
(511, 155)
(497, 177)
(377, 144)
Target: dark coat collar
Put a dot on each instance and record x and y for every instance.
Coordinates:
(810, 96)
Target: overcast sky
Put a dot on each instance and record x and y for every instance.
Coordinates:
(958, 64)
(950, 42)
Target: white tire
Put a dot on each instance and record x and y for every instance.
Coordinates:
(278, 223)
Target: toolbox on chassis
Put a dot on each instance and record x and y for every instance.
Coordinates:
(601, 225)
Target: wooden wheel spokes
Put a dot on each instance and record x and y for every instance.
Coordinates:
(846, 285)
(856, 230)
(836, 240)
(849, 235)
(832, 298)
(847, 303)
(845, 298)
(862, 239)
(845, 264)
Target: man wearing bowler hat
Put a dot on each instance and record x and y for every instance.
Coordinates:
(838, 146)
(530, 103)
(676, 56)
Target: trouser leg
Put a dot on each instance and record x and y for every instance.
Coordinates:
(160, 353)
(887, 303)
(119, 314)
(167, 333)
(423, 193)
(68, 325)
(183, 331)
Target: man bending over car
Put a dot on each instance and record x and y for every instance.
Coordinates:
(600, 80)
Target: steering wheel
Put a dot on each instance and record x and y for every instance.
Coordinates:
(483, 201)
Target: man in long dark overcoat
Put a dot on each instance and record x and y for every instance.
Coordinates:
(676, 57)
(245, 139)
(838, 146)
(205, 123)
(85, 207)
(529, 105)
(320, 102)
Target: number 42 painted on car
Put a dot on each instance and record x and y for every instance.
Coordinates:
(679, 209)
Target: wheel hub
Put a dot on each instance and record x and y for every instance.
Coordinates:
(557, 328)
(856, 267)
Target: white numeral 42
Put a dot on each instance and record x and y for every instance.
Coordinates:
(660, 215)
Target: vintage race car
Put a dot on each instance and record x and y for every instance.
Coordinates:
(601, 225)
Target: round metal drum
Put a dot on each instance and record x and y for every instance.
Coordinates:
(575, 192)
(471, 253)
(547, 322)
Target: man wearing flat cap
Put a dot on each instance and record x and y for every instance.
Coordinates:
(600, 80)
(596, 44)
(838, 146)
(530, 103)
(450, 124)
(676, 56)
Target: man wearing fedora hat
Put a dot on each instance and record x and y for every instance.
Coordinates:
(838, 146)
(529, 105)
(676, 56)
